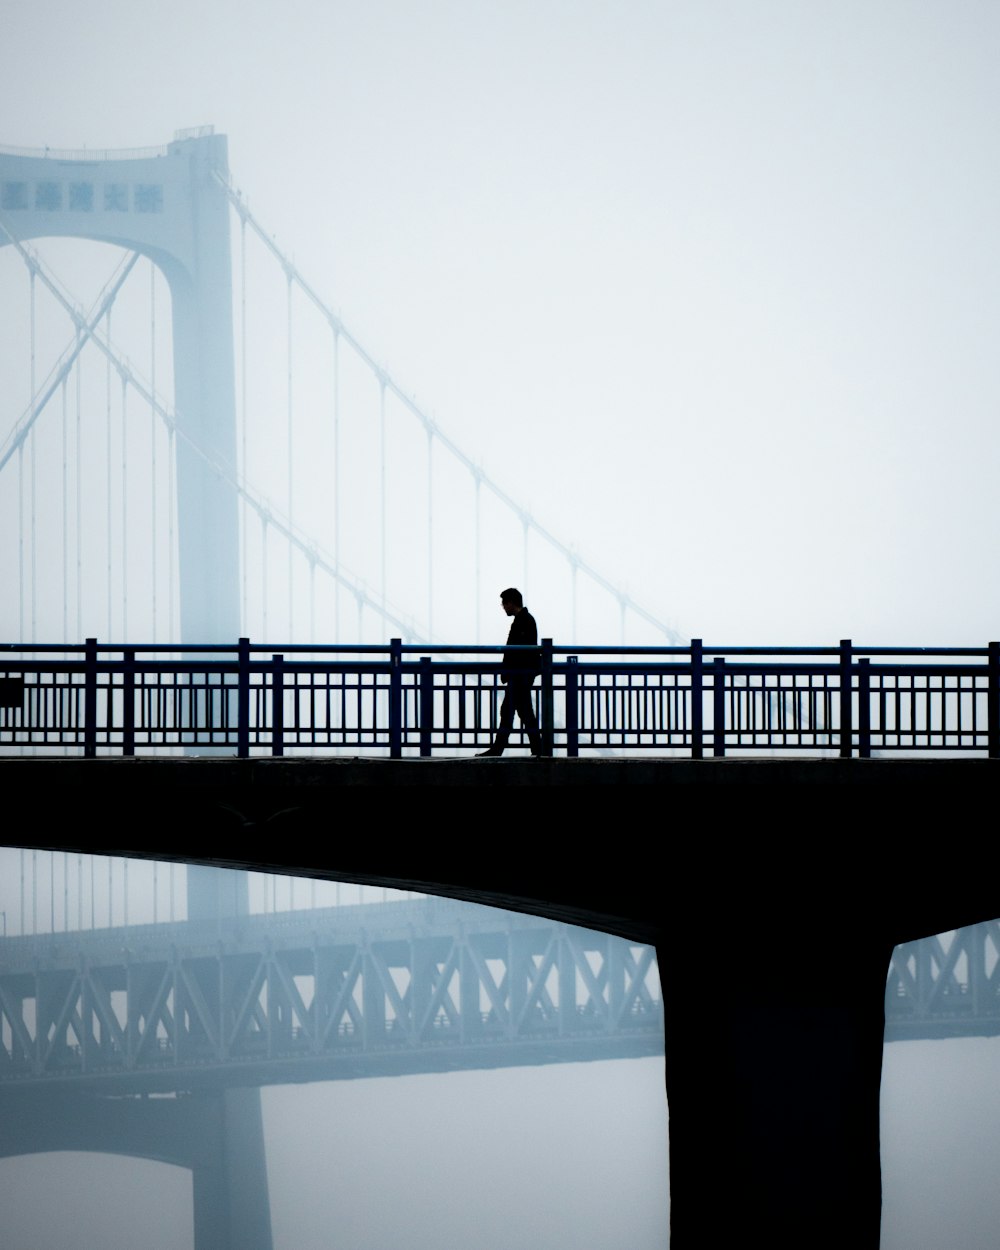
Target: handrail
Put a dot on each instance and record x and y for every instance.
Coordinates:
(393, 698)
(86, 155)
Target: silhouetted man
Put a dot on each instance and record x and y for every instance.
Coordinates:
(518, 672)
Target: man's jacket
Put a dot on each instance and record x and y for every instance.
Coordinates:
(523, 633)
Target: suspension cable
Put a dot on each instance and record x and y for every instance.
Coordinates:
(428, 422)
(153, 429)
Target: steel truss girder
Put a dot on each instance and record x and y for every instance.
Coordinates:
(939, 990)
(298, 992)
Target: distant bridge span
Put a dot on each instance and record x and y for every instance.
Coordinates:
(424, 985)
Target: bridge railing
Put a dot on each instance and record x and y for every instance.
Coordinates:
(421, 700)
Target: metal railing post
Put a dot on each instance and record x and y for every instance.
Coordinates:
(426, 704)
(128, 701)
(395, 698)
(573, 706)
(697, 692)
(846, 709)
(993, 701)
(548, 700)
(864, 709)
(90, 697)
(719, 707)
(243, 700)
(277, 705)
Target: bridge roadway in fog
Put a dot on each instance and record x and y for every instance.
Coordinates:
(396, 988)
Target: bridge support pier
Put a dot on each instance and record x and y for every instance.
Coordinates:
(217, 1134)
(773, 1100)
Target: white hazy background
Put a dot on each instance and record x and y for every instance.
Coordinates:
(710, 287)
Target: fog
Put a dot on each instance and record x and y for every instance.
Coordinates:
(562, 1155)
(711, 290)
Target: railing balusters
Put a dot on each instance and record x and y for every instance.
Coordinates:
(719, 707)
(426, 704)
(243, 701)
(547, 700)
(840, 699)
(846, 718)
(277, 705)
(572, 706)
(128, 701)
(396, 698)
(697, 695)
(90, 698)
(864, 709)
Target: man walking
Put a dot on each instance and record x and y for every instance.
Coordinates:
(518, 672)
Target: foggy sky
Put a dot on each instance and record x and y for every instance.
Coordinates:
(711, 288)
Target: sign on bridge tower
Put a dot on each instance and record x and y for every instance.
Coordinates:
(171, 205)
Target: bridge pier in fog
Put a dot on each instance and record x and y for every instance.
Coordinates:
(216, 1134)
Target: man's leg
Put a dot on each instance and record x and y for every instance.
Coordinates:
(502, 734)
(525, 710)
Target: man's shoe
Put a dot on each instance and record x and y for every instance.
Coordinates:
(493, 752)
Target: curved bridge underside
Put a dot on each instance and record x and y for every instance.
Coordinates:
(817, 868)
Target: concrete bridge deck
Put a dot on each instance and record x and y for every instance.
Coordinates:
(819, 867)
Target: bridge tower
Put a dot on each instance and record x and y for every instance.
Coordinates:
(216, 1133)
(171, 205)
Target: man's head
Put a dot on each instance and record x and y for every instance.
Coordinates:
(511, 601)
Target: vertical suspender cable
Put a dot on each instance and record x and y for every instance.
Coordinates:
(336, 484)
(263, 574)
(107, 468)
(20, 543)
(77, 492)
(156, 888)
(171, 505)
(32, 458)
(65, 516)
(381, 479)
(79, 892)
(65, 891)
(312, 600)
(525, 527)
(430, 534)
(291, 466)
(93, 905)
(479, 589)
(152, 442)
(21, 929)
(243, 407)
(33, 461)
(124, 514)
(573, 582)
(52, 892)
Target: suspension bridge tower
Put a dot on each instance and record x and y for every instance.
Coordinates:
(169, 204)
